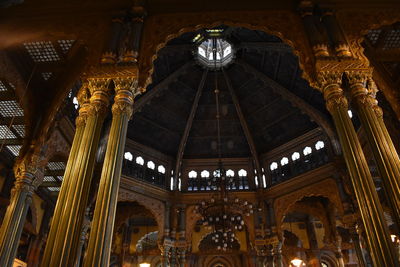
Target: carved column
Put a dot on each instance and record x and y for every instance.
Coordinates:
(28, 176)
(111, 52)
(68, 231)
(314, 255)
(277, 250)
(381, 144)
(99, 247)
(67, 184)
(357, 246)
(370, 208)
(82, 240)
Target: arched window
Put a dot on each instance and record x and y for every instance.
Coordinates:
(284, 161)
(139, 160)
(171, 183)
(295, 156)
(205, 174)
(256, 181)
(350, 113)
(273, 166)
(161, 169)
(307, 150)
(230, 173)
(192, 174)
(151, 165)
(75, 102)
(264, 181)
(242, 173)
(319, 145)
(179, 184)
(128, 156)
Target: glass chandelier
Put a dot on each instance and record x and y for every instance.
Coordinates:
(222, 213)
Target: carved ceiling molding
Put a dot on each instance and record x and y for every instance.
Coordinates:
(156, 207)
(286, 25)
(326, 188)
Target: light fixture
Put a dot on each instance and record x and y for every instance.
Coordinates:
(394, 238)
(296, 262)
(144, 264)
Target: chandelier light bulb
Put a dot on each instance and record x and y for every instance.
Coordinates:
(219, 247)
(224, 216)
(296, 262)
(238, 218)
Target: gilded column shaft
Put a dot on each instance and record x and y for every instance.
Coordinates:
(66, 185)
(382, 147)
(364, 188)
(14, 219)
(66, 242)
(99, 247)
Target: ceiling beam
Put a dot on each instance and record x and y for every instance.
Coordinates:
(13, 141)
(155, 124)
(14, 121)
(55, 172)
(159, 88)
(50, 184)
(245, 127)
(188, 126)
(298, 102)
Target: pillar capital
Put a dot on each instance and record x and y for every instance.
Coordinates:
(125, 91)
(28, 173)
(83, 96)
(99, 99)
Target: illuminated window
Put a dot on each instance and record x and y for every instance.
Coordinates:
(192, 174)
(56, 166)
(242, 173)
(171, 183)
(10, 109)
(139, 160)
(230, 173)
(151, 165)
(319, 145)
(284, 161)
(307, 151)
(264, 181)
(256, 180)
(161, 169)
(179, 184)
(6, 133)
(273, 166)
(128, 156)
(75, 102)
(295, 156)
(42, 51)
(14, 149)
(350, 113)
(205, 174)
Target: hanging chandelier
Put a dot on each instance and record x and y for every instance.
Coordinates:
(223, 213)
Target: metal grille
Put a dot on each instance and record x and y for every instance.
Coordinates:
(14, 149)
(54, 166)
(46, 75)
(392, 39)
(54, 189)
(6, 133)
(49, 179)
(42, 51)
(60, 177)
(2, 87)
(20, 129)
(10, 109)
(66, 45)
(373, 35)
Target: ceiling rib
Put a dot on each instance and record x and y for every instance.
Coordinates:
(296, 101)
(162, 86)
(244, 124)
(188, 126)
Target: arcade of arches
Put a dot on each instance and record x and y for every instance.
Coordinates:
(215, 133)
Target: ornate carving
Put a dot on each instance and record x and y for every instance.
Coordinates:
(83, 100)
(156, 207)
(285, 24)
(125, 89)
(326, 188)
(100, 96)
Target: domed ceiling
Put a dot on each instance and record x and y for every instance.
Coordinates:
(264, 101)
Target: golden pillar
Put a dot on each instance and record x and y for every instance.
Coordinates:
(64, 247)
(381, 144)
(67, 184)
(382, 250)
(99, 247)
(27, 177)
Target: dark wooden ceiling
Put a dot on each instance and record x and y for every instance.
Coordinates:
(271, 120)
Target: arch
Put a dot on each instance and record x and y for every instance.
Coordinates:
(155, 206)
(163, 28)
(211, 261)
(326, 188)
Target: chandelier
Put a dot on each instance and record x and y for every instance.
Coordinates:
(222, 213)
